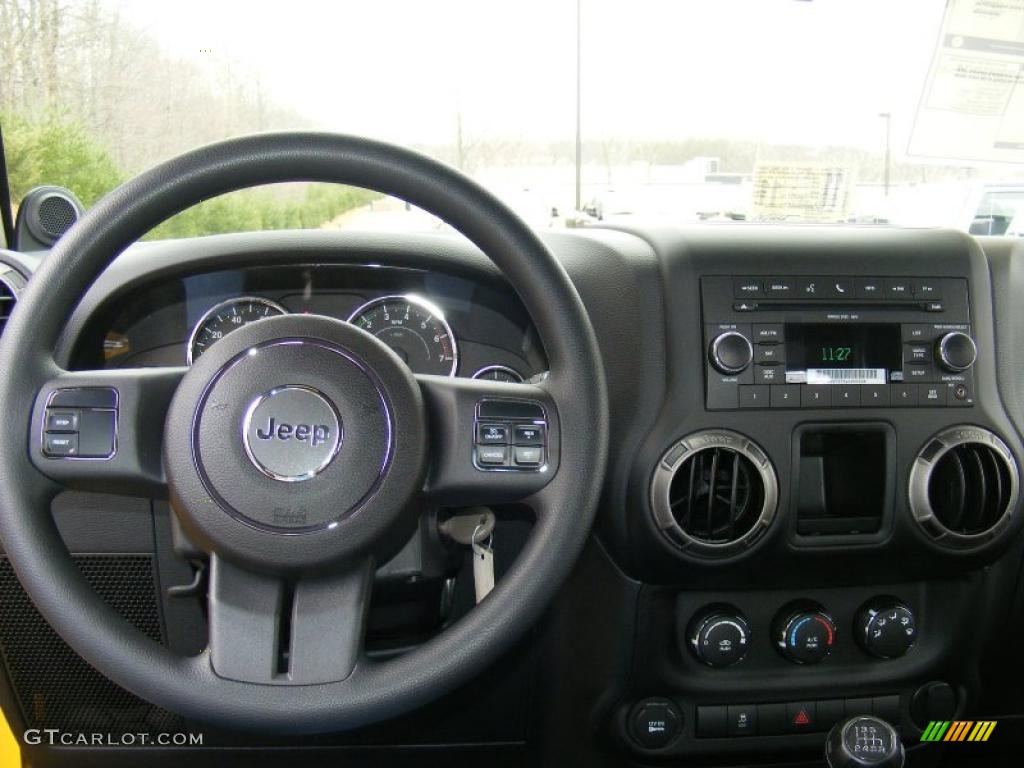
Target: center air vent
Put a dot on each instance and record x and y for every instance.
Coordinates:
(963, 487)
(714, 493)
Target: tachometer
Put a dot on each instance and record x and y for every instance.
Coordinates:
(415, 329)
(225, 317)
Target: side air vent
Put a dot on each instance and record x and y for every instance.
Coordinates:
(964, 487)
(10, 283)
(714, 493)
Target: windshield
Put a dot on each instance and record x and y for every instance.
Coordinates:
(871, 112)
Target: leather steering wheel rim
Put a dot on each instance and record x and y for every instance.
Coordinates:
(565, 505)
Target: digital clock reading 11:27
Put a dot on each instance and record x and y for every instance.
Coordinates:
(836, 354)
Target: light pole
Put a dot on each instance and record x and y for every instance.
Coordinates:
(579, 141)
(887, 116)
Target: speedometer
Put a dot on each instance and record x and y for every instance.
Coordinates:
(415, 329)
(227, 316)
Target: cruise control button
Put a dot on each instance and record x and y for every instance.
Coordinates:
(492, 455)
(61, 421)
(528, 457)
(60, 445)
(492, 434)
(529, 434)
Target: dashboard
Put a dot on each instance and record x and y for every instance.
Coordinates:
(812, 506)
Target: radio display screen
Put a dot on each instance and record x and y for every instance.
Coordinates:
(842, 353)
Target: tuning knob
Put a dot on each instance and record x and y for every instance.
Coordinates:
(864, 741)
(731, 352)
(885, 628)
(956, 351)
(805, 636)
(719, 638)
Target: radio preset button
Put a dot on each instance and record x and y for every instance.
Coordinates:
(874, 396)
(754, 396)
(816, 396)
(785, 396)
(904, 395)
(846, 396)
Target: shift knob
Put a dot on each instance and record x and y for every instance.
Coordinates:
(864, 742)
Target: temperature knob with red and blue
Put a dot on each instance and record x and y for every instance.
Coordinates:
(805, 635)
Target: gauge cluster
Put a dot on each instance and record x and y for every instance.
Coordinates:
(437, 324)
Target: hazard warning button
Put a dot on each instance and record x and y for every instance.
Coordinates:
(800, 717)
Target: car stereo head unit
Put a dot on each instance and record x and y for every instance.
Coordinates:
(880, 348)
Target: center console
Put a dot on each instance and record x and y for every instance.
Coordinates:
(825, 499)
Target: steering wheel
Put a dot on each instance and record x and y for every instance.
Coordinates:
(297, 452)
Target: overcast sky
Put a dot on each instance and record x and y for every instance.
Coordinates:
(772, 70)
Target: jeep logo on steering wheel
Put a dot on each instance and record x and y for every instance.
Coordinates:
(291, 433)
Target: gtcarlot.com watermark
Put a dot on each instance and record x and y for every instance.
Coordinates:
(54, 737)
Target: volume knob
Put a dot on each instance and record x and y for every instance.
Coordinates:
(957, 351)
(731, 352)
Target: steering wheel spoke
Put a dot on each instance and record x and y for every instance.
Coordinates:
(275, 631)
(102, 430)
(491, 442)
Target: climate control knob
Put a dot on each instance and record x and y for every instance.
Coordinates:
(805, 636)
(719, 638)
(731, 352)
(885, 628)
(956, 351)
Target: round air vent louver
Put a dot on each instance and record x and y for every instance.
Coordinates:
(964, 487)
(714, 493)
